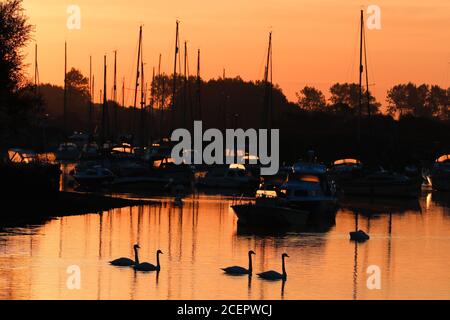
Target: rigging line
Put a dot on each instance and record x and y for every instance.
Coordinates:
(351, 62)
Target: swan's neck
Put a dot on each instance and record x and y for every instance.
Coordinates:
(136, 256)
(284, 267)
(250, 267)
(157, 259)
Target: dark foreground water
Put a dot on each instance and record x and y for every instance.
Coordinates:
(410, 243)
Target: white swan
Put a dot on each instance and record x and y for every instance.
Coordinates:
(126, 262)
(236, 270)
(273, 275)
(145, 266)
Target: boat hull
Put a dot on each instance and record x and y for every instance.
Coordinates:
(254, 214)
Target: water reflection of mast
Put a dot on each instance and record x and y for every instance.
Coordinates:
(355, 272)
(195, 206)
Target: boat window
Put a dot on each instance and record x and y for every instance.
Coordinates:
(304, 178)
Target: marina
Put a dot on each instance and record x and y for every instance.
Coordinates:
(142, 175)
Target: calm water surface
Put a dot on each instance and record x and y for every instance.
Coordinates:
(409, 242)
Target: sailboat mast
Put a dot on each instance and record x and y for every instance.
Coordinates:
(185, 86)
(267, 114)
(137, 76)
(90, 96)
(174, 89)
(361, 70)
(199, 84)
(115, 126)
(105, 128)
(36, 69)
(65, 89)
(123, 93)
(142, 126)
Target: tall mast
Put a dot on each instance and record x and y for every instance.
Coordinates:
(90, 96)
(105, 127)
(160, 99)
(199, 84)
(152, 105)
(36, 70)
(137, 75)
(123, 92)
(115, 126)
(267, 114)
(174, 89)
(185, 93)
(142, 125)
(65, 89)
(361, 70)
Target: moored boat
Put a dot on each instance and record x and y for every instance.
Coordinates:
(440, 173)
(269, 210)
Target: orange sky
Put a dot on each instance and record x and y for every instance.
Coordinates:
(315, 41)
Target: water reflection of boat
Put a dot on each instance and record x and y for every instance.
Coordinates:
(351, 178)
(367, 205)
(440, 173)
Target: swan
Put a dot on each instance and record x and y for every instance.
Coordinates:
(126, 262)
(273, 275)
(145, 266)
(236, 270)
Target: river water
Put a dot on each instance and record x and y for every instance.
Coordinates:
(410, 244)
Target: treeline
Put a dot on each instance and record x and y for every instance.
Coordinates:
(429, 101)
(329, 127)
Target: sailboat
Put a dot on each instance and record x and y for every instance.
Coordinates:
(349, 175)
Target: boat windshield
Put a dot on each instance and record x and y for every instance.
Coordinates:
(347, 161)
(300, 177)
(444, 158)
(266, 194)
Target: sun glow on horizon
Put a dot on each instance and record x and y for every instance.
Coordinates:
(315, 44)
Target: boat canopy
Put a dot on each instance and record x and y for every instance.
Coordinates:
(237, 166)
(444, 158)
(22, 156)
(309, 168)
(266, 194)
(346, 161)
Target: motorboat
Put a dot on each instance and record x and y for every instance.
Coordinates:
(90, 151)
(307, 188)
(67, 151)
(440, 173)
(95, 176)
(269, 210)
(24, 172)
(351, 178)
(234, 176)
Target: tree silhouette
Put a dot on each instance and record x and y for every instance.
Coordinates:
(16, 99)
(420, 101)
(348, 94)
(311, 99)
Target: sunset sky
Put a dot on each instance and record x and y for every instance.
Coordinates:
(315, 41)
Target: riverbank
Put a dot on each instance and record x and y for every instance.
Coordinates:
(30, 211)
